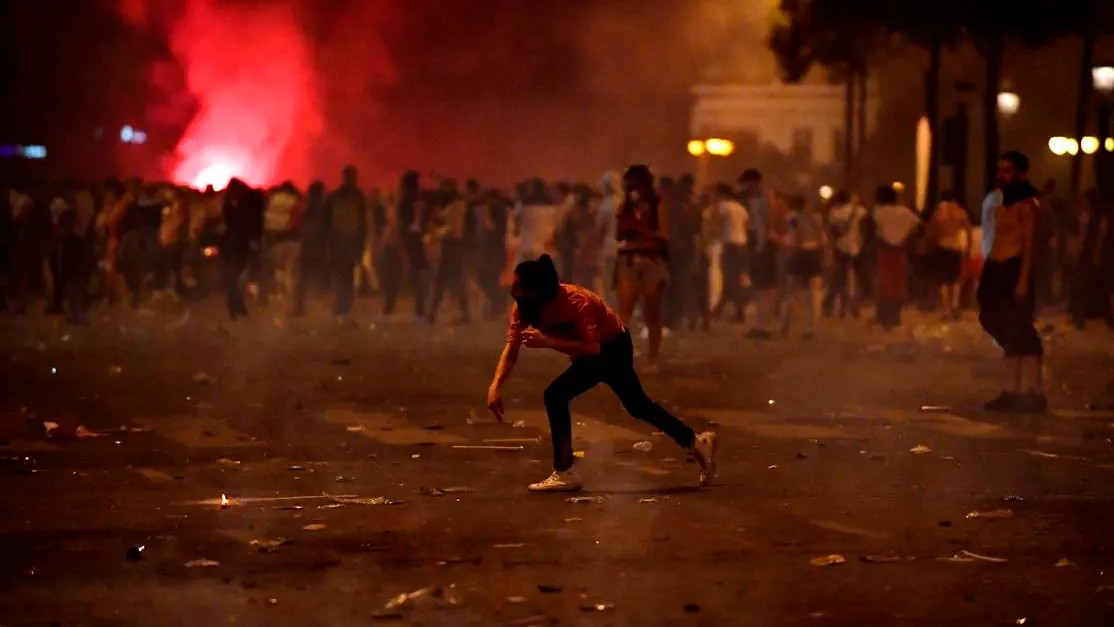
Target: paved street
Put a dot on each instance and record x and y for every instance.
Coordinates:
(825, 451)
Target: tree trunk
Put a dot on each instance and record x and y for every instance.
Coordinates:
(1082, 99)
(849, 128)
(932, 112)
(991, 140)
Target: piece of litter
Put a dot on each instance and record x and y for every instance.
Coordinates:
(1064, 563)
(513, 545)
(584, 499)
(597, 607)
(920, 449)
(994, 515)
(415, 456)
(572, 520)
(647, 499)
(202, 563)
(1012, 497)
(135, 552)
(578, 454)
(828, 560)
(771, 402)
(457, 489)
(268, 545)
(644, 446)
(516, 600)
(435, 596)
(519, 424)
(424, 491)
(330, 506)
(548, 589)
(313, 527)
(354, 428)
(1021, 621)
(296, 468)
(880, 559)
(289, 508)
(203, 377)
(375, 500)
(484, 447)
(513, 441)
(929, 409)
(958, 559)
(984, 558)
(224, 461)
(272, 601)
(771, 467)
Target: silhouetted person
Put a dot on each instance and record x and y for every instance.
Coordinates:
(450, 268)
(346, 221)
(243, 220)
(411, 224)
(311, 238)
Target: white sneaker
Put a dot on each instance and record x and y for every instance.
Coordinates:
(704, 450)
(566, 481)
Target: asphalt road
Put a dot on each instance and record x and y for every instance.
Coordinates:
(289, 418)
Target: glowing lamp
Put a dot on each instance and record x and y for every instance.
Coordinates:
(826, 192)
(719, 147)
(1102, 78)
(898, 186)
(1058, 145)
(1089, 145)
(696, 148)
(1008, 103)
(1109, 144)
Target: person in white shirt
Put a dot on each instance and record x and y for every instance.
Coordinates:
(537, 216)
(845, 226)
(729, 224)
(893, 224)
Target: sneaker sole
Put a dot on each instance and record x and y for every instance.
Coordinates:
(561, 489)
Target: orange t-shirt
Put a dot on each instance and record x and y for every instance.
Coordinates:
(575, 314)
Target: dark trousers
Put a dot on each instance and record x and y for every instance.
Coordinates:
(844, 268)
(615, 367)
(344, 254)
(450, 277)
(1005, 318)
(419, 270)
(233, 274)
(390, 266)
(733, 264)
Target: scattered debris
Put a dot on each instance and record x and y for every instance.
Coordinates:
(432, 596)
(598, 607)
(933, 409)
(1064, 563)
(802, 455)
(224, 461)
(644, 446)
(881, 559)
(535, 440)
(828, 560)
(994, 515)
(574, 520)
(548, 589)
(920, 449)
(354, 428)
(330, 506)
(1048, 455)
(415, 456)
(1012, 497)
(771, 467)
(519, 424)
(484, 447)
(204, 378)
(342, 479)
(289, 508)
(771, 402)
(457, 489)
(945, 523)
(115, 371)
(314, 527)
(135, 552)
(647, 499)
(272, 601)
(512, 545)
(516, 600)
(296, 468)
(202, 563)
(268, 545)
(579, 454)
(224, 502)
(968, 556)
(53, 430)
(424, 491)
(584, 499)
(1021, 621)
(375, 500)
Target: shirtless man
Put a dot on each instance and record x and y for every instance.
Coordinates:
(1006, 289)
(949, 234)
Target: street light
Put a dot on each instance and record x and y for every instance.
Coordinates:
(696, 148)
(1102, 79)
(1089, 145)
(826, 192)
(719, 147)
(1008, 103)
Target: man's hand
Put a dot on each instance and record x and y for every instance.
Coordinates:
(534, 338)
(1021, 292)
(495, 402)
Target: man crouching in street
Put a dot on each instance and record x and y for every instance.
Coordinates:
(575, 321)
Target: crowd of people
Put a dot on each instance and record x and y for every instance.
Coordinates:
(714, 252)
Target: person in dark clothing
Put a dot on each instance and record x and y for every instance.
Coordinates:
(412, 220)
(311, 239)
(346, 220)
(389, 262)
(1006, 288)
(452, 216)
(491, 234)
(243, 220)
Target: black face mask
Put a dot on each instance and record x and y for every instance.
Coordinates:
(529, 309)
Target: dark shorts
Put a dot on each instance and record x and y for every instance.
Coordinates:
(1007, 320)
(945, 266)
(764, 267)
(806, 264)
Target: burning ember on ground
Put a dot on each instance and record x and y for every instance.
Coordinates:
(224, 502)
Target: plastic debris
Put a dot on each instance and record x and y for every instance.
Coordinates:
(432, 596)
(203, 378)
(1012, 497)
(354, 428)
(968, 556)
(598, 607)
(289, 508)
(994, 515)
(920, 449)
(532, 621)
(485, 447)
(1064, 563)
(584, 499)
(771, 467)
(574, 520)
(511, 545)
(268, 545)
(135, 552)
(424, 491)
(519, 424)
(54, 430)
(115, 371)
(343, 479)
(647, 499)
(457, 489)
(296, 468)
(224, 461)
(516, 600)
(828, 560)
(881, 559)
(314, 527)
(771, 402)
(932, 409)
(1021, 621)
(202, 563)
(579, 454)
(644, 446)
(375, 500)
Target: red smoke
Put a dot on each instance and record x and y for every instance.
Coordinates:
(249, 70)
